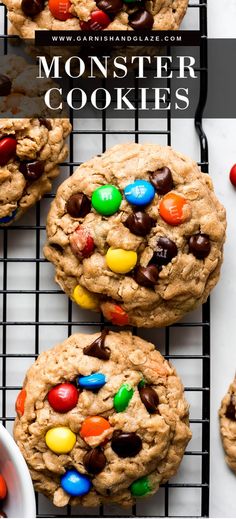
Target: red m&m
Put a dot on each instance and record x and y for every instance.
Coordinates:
(7, 150)
(63, 397)
(115, 314)
(98, 21)
(3, 488)
(232, 175)
(60, 9)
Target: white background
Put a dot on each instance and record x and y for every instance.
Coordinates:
(222, 154)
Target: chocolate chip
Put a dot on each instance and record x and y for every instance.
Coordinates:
(199, 245)
(94, 461)
(146, 276)
(162, 180)
(140, 20)
(78, 205)
(32, 170)
(139, 223)
(46, 122)
(231, 410)
(110, 6)
(125, 444)
(5, 85)
(97, 348)
(165, 251)
(32, 7)
(149, 398)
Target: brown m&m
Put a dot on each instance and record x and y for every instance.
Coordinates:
(146, 276)
(140, 20)
(162, 180)
(139, 223)
(110, 6)
(126, 444)
(94, 461)
(32, 170)
(5, 85)
(199, 245)
(97, 348)
(149, 398)
(78, 205)
(32, 7)
(165, 251)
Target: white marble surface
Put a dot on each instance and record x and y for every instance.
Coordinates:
(222, 149)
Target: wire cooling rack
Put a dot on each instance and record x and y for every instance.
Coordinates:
(36, 314)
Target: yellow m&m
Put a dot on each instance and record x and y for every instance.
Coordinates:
(85, 299)
(60, 440)
(121, 261)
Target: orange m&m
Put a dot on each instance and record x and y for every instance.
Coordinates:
(3, 488)
(94, 426)
(115, 314)
(174, 209)
(20, 402)
(60, 9)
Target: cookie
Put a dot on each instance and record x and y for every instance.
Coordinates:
(101, 418)
(137, 233)
(227, 416)
(27, 16)
(30, 147)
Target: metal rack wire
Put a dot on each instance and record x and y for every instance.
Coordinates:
(70, 321)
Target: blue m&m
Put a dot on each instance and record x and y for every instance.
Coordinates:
(8, 218)
(92, 382)
(75, 484)
(139, 193)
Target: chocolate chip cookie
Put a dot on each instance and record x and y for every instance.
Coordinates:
(227, 416)
(137, 233)
(26, 16)
(30, 148)
(101, 418)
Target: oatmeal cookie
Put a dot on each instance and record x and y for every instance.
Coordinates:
(101, 418)
(137, 233)
(30, 148)
(27, 16)
(227, 416)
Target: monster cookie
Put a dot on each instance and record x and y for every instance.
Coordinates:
(30, 148)
(137, 233)
(227, 416)
(101, 418)
(26, 16)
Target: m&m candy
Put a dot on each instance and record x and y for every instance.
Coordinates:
(63, 397)
(122, 397)
(94, 426)
(92, 382)
(141, 487)
(84, 298)
(174, 209)
(3, 488)
(114, 313)
(60, 9)
(75, 484)
(60, 440)
(232, 175)
(82, 243)
(140, 193)
(98, 21)
(7, 150)
(8, 218)
(121, 261)
(20, 403)
(106, 200)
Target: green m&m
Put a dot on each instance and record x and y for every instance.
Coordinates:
(106, 200)
(122, 398)
(140, 487)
